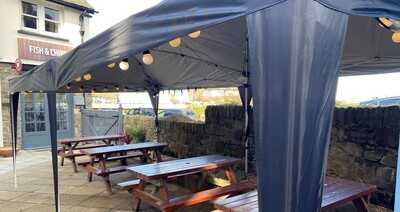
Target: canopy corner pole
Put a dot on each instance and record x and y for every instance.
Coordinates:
(397, 186)
(246, 104)
(155, 101)
(14, 98)
(246, 124)
(52, 106)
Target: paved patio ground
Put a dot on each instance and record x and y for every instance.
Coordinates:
(35, 188)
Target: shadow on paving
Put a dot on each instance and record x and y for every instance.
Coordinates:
(34, 192)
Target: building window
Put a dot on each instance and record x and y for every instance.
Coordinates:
(52, 20)
(40, 18)
(30, 15)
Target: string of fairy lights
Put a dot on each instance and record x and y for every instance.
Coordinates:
(392, 25)
(123, 65)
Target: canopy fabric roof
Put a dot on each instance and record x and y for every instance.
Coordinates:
(295, 51)
(369, 49)
(216, 59)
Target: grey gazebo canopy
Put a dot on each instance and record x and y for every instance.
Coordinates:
(290, 51)
(217, 58)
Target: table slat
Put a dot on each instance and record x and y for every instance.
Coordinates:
(123, 148)
(182, 165)
(89, 138)
(336, 193)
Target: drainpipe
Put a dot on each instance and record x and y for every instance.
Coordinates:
(82, 32)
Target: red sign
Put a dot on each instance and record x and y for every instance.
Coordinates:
(41, 51)
(17, 66)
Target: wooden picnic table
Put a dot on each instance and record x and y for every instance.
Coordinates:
(70, 146)
(168, 170)
(99, 157)
(337, 192)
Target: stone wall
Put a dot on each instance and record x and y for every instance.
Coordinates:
(221, 133)
(364, 148)
(5, 73)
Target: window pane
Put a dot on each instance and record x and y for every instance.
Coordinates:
(29, 127)
(51, 27)
(28, 8)
(52, 14)
(40, 116)
(30, 22)
(41, 126)
(28, 107)
(29, 116)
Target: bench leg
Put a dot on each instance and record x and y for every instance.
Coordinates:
(63, 151)
(158, 155)
(230, 175)
(90, 173)
(74, 165)
(136, 205)
(108, 184)
(62, 161)
(361, 205)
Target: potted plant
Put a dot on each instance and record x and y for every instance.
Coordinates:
(136, 133)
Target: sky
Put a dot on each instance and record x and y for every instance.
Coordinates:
(112, 12)
(367, 87)
(356, 89)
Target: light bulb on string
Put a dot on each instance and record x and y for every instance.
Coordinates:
(175, 43)
(78, 79)
(385, 22)
(396, 37)
(87, 77)
(117, 87)
(392, 25)
(111, 66)
(195, 34)
(147, 58)
(124, 65)
(68, 86)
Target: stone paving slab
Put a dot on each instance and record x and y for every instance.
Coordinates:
(34, 192)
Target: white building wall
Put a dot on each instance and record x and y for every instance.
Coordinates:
(11, 22)
(10, 31)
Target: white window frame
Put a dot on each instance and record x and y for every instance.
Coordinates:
(40, 18)
(29, 15)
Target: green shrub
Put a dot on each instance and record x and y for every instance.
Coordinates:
(137, 133)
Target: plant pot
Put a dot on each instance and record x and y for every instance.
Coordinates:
(6, 152)
(140, 140)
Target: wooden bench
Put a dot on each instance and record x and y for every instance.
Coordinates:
(337, 192)
(129, 185)
(70, 147)
(100, 156)
(169, 170)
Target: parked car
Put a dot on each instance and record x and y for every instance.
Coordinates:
(140, 112)
(162, 113)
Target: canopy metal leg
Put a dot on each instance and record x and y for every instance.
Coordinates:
(52, 105)
(14, 98)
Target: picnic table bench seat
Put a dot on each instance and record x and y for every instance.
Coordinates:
(112, 158)
(70, 147)
(100, 156)
(337, 192)
(166, 171)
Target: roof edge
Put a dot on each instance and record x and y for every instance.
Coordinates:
(75, 6)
